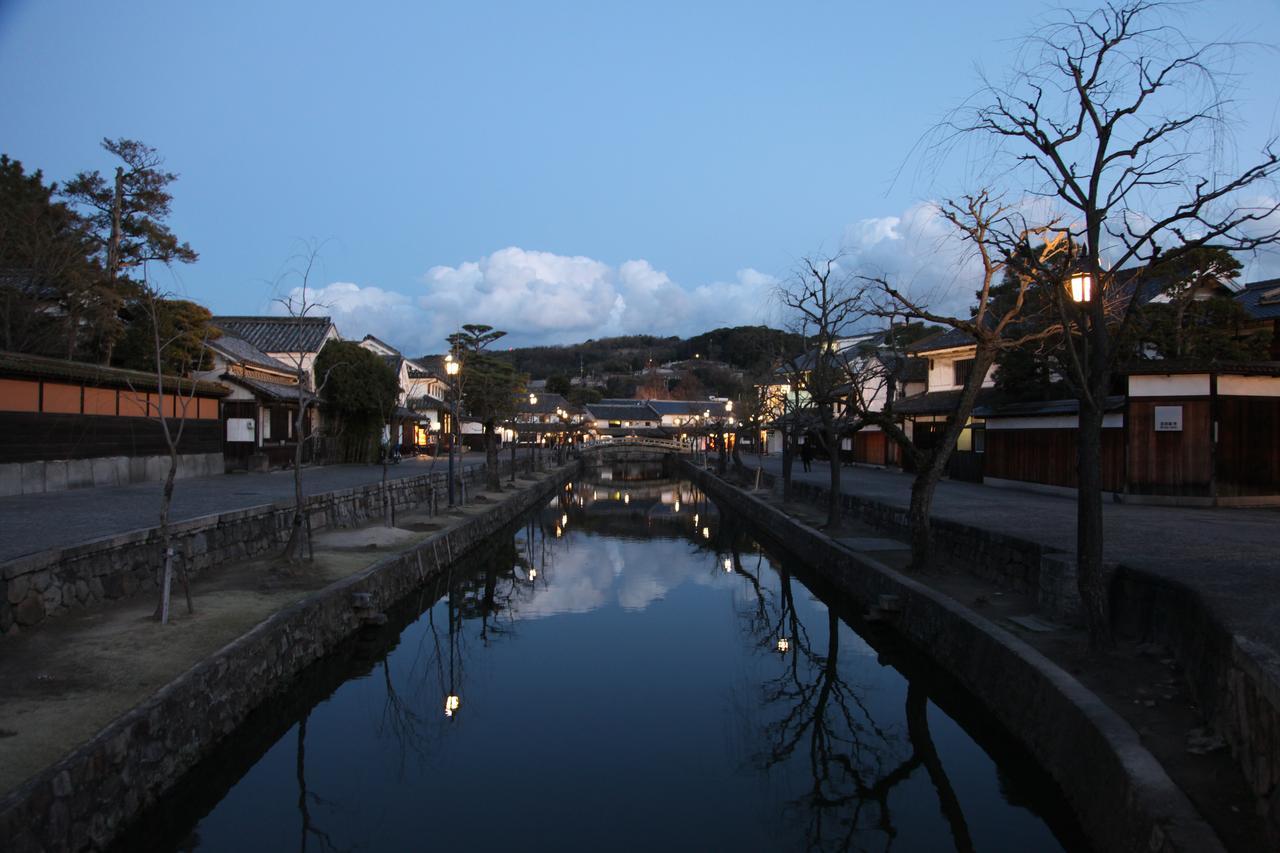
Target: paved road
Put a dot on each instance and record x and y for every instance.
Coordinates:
(31, 523)
(1231, 556)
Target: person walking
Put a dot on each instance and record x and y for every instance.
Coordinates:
(806, 454)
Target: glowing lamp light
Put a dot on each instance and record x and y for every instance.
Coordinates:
(451, 365)
(533, 574)
(783, 645)
(677, 504)
(451, 704)
(559, 531)
(728, 564)
(1081, 286)
(728, 405)
(564, 520)
(533, 399)
(706, 533)
(626, 499)
(695, 519)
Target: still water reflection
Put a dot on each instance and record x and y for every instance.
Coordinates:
(627, 671)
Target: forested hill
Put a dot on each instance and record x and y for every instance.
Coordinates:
(750, 348)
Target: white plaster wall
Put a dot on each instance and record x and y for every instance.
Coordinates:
(1249, 386)
(1186, 385)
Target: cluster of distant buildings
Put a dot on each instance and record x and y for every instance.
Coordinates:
(1188, 433)
(69, 424)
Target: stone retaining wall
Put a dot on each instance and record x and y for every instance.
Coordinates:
(80, 577)
(85, 799)
(1017, 564)
(1235, 682)
(1121, 795)
(56, 475)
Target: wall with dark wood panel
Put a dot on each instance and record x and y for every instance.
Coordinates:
(42, 420)
(1048, 456)
(1248, 446)
(1170, 463)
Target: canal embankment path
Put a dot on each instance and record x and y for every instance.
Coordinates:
(1229, 556)
(38, 522)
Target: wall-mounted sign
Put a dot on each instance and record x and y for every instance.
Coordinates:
(239, 429)
(1168, 419)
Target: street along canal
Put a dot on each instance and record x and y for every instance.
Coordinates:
(628, 670)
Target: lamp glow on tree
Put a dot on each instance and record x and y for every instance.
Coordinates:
(1080, 286)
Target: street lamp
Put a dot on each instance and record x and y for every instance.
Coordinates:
(452, 367)
(1080, 286)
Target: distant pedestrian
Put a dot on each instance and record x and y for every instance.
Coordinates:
(806, 455)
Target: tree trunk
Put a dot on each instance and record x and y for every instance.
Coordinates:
(929, 467)
(788, 459)
(1092, 578)
(293, 549)
(492, 477)
(831, 442)
(387, 518)
(919, 516)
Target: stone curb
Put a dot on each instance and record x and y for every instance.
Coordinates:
(1122, 796)
(86, 798)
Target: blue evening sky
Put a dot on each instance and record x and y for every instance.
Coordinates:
(563, 170)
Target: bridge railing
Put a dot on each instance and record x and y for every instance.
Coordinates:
(664, 444)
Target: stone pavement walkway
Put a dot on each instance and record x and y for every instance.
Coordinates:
(32, 523)
(1230, 556)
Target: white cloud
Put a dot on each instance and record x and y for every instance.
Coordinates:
(541, 297)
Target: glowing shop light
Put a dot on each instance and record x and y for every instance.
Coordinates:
(451, 704)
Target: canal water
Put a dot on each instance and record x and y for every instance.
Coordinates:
(629, 670)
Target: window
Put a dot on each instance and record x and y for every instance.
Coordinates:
(963, 367)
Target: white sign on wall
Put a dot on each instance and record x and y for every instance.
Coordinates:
(1168, 419)
(239, 429)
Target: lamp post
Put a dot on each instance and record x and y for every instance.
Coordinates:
(514, 434)
(451, 368)
(537, 436)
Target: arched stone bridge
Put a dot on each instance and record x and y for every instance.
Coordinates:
(632, 448)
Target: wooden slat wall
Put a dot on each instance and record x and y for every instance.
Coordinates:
(1048, 456)
(31, 436)
(1169, 463)
(871, 448)
(1248, 446)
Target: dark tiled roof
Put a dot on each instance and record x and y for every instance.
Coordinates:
(1161, 368)
(270, 391)
(938, 402)
(949, 339)
(619, 401)
(426, 401)
(684, 407)
(1261, 299)
(243, 352)
(622, 413)
(1042, 407)
(278, 334)
(41, 367)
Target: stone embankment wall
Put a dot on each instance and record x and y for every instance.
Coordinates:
(1018, 564)
(1235, 682)
(54, 582)
(84, 800)
(56, 475)
(1122, 796)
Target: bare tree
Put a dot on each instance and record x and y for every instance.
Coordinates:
(172, 426)
(299, 304)
(824, 302)
(1119, 120)
(994, 232)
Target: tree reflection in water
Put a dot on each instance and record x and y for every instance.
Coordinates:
(854, 763)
